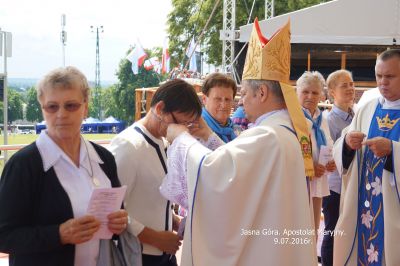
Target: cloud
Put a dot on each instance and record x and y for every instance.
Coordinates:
(36, 27)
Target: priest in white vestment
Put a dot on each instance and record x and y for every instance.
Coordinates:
(247, 200)
(368, 228)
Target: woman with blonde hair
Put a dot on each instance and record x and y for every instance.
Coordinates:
(341, 88)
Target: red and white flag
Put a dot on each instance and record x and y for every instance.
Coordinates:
(152, 64)
(136, 57)
(165, 58)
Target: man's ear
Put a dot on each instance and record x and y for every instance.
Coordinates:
(263, 92)
(159, 108)
(204, 99)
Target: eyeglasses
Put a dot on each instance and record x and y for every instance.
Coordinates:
(226, 101)
(53, 107)
(186, 124)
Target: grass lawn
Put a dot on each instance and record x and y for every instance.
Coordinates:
(29, 138)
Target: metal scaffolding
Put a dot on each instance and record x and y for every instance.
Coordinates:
(97, 76)
(269, 9)
(228, 36)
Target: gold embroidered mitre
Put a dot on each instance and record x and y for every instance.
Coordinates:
(268, 59)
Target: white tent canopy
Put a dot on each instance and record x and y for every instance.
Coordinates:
(359, 22)
(91, 120)
(110, 119)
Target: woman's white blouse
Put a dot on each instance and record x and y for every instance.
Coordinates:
(77, 183)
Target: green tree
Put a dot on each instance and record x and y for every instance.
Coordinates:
(181, 27)
(93, 109)
(106, 100)
(15, 102)
(188, 17)
(124, 92)
(33, 109)
(109, 104)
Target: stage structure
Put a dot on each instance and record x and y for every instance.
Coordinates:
(340, 34)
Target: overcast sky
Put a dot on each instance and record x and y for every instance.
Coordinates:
(36, 25)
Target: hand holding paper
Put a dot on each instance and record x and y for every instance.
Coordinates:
(103, 202)
(331, 166)
(78, 230)
(117, 221)
(325, 155)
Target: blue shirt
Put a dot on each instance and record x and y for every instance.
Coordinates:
(337, 121)
(239, 119)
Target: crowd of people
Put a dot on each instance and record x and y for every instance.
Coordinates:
(177, 73)
(252, 185)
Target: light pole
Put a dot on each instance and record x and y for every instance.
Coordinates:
(97, 76)
(7, 37)
(63, 37)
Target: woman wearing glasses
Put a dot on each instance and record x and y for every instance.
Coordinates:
(140, 153)
(45, 188)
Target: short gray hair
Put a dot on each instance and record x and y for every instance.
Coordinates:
(388, 54)
(310, 77)
(64, 78)
(273, 86)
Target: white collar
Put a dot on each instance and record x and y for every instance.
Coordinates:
(389, 104)
(264, 116)
(51, 153)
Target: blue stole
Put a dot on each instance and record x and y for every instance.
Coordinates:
(316, 125)
(370, 227)
(226, 133)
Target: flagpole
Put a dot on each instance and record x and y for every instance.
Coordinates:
(158, 76)
(202, 33)
(7, 53)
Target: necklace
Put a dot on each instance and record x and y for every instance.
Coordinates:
(96, 182)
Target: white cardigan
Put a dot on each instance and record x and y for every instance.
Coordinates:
(139, 168)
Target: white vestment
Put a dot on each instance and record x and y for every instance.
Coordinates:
(368, 96)
(346, 246)
(249, 195)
